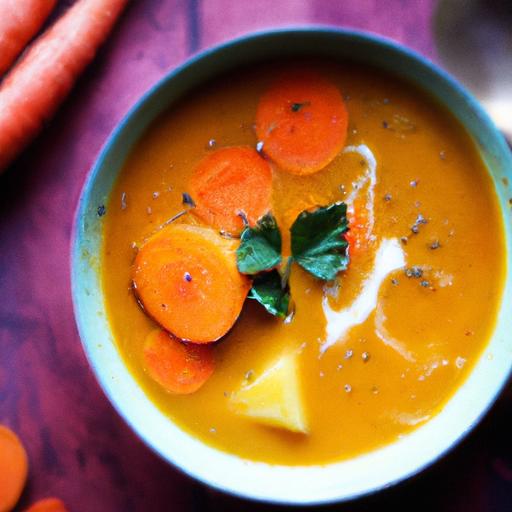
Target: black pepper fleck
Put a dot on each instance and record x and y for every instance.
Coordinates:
(243, 216)
(415, 228)
(414, 272)
(296, 107)
(387, 197)
(385, 124)
(187, 200)
(101, 210)
(425, 284)
(435, 245)
(187, 276)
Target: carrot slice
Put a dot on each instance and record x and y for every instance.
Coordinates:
(186, 278)
(48, 505)
(32, 91)
(302, 122)
(19, 23)
(357, 235)
(179, 367)
(13, 468)
(228, 182)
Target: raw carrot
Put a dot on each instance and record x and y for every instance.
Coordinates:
(32, 91)
(48, 505)
(19, 23)
(230, 182)
(302, 121)
(179, 367)
(13, 468)
(186, 278)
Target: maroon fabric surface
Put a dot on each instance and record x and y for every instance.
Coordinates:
(79, 449)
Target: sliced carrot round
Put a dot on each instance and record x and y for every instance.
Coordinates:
(48, 505)
(230, 182)
(186, 278)
(13, 468)
(302, 122)
(358, 234)
(179, 367)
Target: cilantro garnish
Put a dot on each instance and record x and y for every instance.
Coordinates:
(317, 245)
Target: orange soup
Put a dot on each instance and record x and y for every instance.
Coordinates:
(302, 263)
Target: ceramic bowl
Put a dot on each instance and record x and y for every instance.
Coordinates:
(281, 484)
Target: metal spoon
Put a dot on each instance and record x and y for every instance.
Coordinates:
(474, 43)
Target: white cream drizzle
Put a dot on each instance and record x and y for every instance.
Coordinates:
(369, 178)
(388, 340)
(389, 257)
(411, 419)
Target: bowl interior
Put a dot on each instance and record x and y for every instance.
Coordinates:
(297, 485)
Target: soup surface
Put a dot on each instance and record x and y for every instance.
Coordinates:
(381, 348)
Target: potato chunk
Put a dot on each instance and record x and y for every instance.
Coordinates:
(274, 398)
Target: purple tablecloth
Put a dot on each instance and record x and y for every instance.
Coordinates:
(79, 449)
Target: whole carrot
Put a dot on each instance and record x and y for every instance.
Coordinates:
(32, 91)
(19, 23)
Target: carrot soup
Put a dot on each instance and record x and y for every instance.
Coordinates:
(302, 263)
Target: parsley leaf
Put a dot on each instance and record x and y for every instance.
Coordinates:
(317, 245)
(267, 289)
(260, 246)
(317, 242)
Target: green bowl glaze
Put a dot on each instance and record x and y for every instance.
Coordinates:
(281, 484)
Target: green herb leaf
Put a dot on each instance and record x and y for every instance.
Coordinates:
(260, 246)
(267, 289)
(317, 242)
